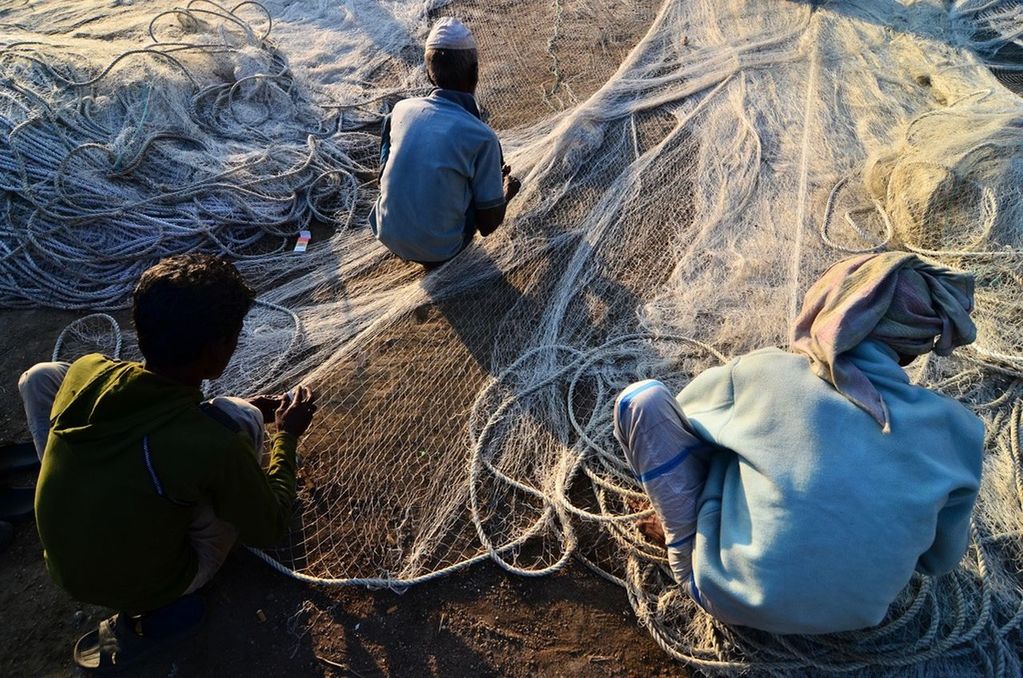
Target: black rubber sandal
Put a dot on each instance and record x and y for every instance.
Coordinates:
(16, 502)
(18, 457)
(123, 641)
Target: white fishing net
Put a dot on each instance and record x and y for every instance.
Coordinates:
(688, 170)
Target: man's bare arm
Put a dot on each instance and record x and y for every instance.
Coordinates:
(488, 220)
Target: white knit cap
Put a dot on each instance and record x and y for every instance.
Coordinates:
(450, 33)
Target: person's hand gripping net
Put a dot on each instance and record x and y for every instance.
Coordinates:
(296, 411)
(292, 411)
(511, 184)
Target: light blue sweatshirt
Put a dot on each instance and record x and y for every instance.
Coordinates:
(812, 520)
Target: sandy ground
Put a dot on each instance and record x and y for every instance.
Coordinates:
(480, 622)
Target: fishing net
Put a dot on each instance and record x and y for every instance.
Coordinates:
(688, 170)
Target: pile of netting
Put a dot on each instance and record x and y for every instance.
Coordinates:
(202, 139)
(688, 170)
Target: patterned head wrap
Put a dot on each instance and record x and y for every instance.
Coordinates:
(912, 305)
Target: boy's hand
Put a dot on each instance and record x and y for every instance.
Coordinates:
(267, 405)
(511, 184)
(296, 412)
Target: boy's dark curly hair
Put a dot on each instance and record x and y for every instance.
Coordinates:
(184, 303)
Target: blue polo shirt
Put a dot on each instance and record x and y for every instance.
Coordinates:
(440, 164)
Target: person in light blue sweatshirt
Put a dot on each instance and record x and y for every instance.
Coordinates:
(798, 491)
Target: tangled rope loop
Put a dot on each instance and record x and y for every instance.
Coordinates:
(202, 142)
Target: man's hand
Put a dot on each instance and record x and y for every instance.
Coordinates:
(296, 411)
(267, 405)
(511, 184)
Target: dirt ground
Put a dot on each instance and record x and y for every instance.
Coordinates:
(480, 622)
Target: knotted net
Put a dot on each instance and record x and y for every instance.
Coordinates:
(688, 170)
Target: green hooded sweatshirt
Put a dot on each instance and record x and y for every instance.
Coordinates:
(129, 458)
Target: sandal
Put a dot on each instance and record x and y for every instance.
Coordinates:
(124, 640)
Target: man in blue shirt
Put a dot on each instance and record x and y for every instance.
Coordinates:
(442, 177)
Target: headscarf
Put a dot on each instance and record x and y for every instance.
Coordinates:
(911, 305)
(450, 33)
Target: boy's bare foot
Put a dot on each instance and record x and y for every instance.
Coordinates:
(649, 526)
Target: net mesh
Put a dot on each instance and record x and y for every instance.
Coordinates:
(688, 170)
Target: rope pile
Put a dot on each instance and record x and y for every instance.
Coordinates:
(201, 140)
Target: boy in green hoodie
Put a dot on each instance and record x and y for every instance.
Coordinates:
(144, 486)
